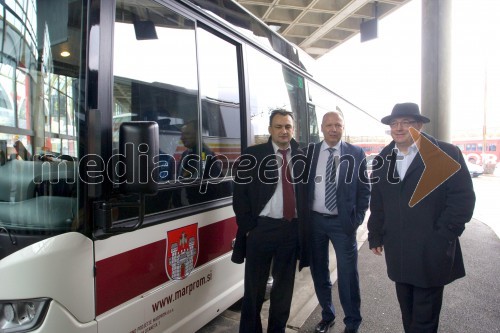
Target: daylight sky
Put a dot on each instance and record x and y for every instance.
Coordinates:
(377, 74)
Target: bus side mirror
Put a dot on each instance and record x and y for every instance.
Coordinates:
(138, 147)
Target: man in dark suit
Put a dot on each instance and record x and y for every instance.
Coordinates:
(268, 200)
(338, 201)
(420, 237)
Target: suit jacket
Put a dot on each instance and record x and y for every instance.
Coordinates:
(255, 185)
(353, 188)
(421, 242)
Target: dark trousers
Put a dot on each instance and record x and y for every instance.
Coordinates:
(324, 230)
(273, 241)
(420, 307)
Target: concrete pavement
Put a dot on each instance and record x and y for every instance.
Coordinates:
(471, 304)
(304, 300)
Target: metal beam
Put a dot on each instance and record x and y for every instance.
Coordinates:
(347, 11)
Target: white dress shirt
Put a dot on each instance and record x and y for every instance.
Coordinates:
(319, 179)
(274, 207)
(404, 160)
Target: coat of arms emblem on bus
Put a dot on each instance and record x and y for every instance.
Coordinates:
(182, 251)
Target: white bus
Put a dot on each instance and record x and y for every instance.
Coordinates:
(91, 239)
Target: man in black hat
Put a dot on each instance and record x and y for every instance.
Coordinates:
(417, 220)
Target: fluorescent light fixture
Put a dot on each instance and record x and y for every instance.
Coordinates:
(275, 27)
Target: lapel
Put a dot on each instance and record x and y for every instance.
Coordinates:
(316, 148)
(269, 150)
(343, 166)
(385, 154)
(416, 164)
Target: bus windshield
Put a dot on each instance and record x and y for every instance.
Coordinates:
(41, 91)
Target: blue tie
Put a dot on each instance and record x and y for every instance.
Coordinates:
(330, 185)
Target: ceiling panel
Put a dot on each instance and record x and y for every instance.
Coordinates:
(318, 26)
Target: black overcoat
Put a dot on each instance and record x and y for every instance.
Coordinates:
(421, 243)
(255, 185)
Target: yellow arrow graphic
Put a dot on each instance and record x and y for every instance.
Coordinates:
(439, 166)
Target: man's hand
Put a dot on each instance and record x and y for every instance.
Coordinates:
(378, 250)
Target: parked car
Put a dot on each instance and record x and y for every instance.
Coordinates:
(475, 170)
(496, 172)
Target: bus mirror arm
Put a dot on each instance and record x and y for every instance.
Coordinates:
(103, 217)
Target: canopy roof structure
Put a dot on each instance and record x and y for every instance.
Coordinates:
(318, 26)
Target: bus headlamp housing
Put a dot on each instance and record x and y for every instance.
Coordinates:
(22, 315)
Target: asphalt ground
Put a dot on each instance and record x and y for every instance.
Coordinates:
(471, 304)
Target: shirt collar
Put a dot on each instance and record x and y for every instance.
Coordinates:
(411, 150)
(276, 148)
(325, 146)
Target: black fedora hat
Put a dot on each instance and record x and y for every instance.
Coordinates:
(405, 110)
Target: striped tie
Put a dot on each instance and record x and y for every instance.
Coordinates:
(330, 185)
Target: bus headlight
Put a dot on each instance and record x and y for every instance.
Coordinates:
(22, 315)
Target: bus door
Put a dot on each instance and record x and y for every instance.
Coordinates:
(46, 253)
(173, 273)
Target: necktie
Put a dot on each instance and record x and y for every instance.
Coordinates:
(287, 186)
(330, 184)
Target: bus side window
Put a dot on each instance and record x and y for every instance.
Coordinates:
(220, 108)
(195, 133)
(288, 92)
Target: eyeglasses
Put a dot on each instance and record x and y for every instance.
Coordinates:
(404, 124)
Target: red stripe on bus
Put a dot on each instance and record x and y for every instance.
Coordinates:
(129, 274)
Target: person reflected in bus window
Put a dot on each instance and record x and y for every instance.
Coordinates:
(21, 151)
(270, 210)
(420, 238)
(190, 158)
(338, 206)
(190, 168)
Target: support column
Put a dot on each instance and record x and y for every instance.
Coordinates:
(436, 67)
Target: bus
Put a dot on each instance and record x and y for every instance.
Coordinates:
(472, 149)
(371, 148)
(104, 102)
